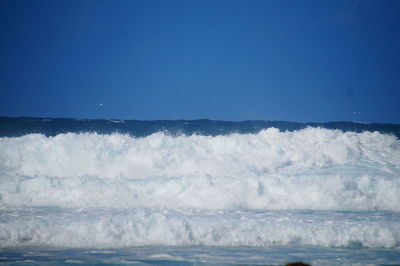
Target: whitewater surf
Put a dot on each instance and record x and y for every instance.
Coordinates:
(179, 191)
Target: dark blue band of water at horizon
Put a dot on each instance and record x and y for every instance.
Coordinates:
(16, 127)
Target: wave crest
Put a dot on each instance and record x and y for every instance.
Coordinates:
(270, 151)
(307, 169)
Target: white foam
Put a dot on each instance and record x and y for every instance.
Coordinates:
(308, 169)
(270, 151)
(142, 227)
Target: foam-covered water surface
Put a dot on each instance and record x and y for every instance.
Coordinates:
(308, 169)
(310, 187)
(110, 228)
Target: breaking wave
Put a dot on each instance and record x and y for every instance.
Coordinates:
(142, 227)
(313, 168)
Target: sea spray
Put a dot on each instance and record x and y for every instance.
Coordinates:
(265, 187)
(314, 168)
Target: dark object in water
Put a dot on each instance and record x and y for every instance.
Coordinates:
(297, 263)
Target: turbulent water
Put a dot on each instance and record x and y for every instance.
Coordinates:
(199, 192)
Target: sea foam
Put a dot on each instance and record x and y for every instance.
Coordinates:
(108, 228)
(313, 168)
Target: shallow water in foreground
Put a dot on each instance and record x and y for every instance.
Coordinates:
(173, 255)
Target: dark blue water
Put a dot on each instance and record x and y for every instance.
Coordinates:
(15, 127)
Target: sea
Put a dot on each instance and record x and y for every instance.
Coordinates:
(198, 192)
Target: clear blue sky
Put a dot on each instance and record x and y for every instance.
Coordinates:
(226, 60)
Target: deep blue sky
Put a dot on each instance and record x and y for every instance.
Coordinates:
(226, 60)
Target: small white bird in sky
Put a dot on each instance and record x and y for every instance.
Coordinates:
(101, 104)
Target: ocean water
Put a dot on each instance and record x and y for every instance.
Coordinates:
(198, 192)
